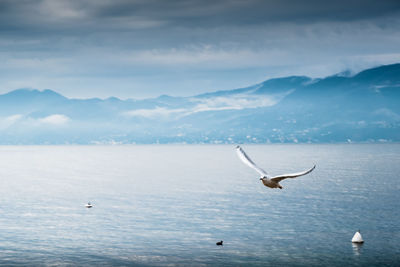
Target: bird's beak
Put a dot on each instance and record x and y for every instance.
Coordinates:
(261, 178)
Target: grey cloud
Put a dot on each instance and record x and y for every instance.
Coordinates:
(174, 23)
(183, 47)
(227, 12)
(115, 15)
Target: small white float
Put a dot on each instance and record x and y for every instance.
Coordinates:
(88, 205)
(357, 238)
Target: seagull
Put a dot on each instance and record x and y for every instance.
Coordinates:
(272, 182)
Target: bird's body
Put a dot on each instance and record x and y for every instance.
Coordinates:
(272, 182)
(269, 183)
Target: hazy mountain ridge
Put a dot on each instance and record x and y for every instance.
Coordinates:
(340, 108)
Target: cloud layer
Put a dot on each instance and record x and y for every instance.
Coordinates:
(86, 48)
(54, 120)
(234, 102)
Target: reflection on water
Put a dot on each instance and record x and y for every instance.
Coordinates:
(357, 248)
(168, 205)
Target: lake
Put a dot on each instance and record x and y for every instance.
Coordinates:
(167, 205)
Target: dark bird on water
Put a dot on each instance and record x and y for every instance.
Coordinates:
(219, 243)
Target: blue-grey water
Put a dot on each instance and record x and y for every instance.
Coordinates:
(168, 205)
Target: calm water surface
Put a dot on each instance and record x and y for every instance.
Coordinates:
(167, 206)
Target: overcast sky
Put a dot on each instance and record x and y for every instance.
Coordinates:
(145, 48)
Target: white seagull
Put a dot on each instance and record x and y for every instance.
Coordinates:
(272, 182)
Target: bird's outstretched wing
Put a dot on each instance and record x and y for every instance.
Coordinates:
(291, 175)
(243, 156)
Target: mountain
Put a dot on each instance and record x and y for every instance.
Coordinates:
(340, 108)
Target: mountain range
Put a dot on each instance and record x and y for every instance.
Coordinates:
(364, 107)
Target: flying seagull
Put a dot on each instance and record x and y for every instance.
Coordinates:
(272, 182)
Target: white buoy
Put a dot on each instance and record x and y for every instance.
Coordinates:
(357, 238)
